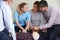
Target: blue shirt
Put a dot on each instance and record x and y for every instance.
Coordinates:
(22, 19)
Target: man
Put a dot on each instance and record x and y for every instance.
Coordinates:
(6, 23)
(53, 18)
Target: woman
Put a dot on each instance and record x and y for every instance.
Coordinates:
(37, 18)
(22, 18)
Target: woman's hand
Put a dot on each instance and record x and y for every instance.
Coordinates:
(24, 31)
(35, 28)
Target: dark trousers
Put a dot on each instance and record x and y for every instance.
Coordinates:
(4, 35)
(43, 35)
(49, 30)
(53, 32)
(17, 29)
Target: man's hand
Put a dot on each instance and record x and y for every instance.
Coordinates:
(44, 30)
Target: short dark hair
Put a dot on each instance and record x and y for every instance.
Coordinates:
(36, 2)
(43, 3)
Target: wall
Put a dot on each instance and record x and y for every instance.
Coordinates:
(16, 2)
(54, 3)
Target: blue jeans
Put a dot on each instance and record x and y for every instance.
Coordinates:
(4, 35)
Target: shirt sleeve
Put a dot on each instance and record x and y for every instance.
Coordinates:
(16, 15)
(8, 22)
(51, 20)
(28, 16)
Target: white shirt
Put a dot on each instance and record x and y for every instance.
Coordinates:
(7, 19)
(1, 21)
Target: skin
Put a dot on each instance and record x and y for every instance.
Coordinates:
(34, 10)
(10, 2)
(43, 9)
(24, 9)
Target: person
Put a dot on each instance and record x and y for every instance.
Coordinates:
(37, 19)
(6, 24)
(52, 15)
(22, 18)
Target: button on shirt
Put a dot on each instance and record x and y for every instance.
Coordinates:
(54, 18)
(23, 18)
(7, 19)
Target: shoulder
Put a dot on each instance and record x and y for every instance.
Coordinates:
(50, 8)
(4, 5)
(16, 13)
(28, 13)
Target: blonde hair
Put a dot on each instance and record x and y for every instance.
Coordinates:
(20, 6)
(17, 9)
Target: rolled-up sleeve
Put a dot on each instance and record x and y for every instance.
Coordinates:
(16, 15)
(28, 16)
(51, 20)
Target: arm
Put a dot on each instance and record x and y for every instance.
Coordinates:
(8, 22)
(51, 20)
(27, 21)
(19, 26)
(16, 20)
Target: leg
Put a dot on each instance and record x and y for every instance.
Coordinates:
(4, 36)
(55, 32)
(49, 30)
(16, 29)
(44, 36)
(53, 35)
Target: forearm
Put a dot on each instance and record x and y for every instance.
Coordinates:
(19, 26)
(27, 26)
(51, 20)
